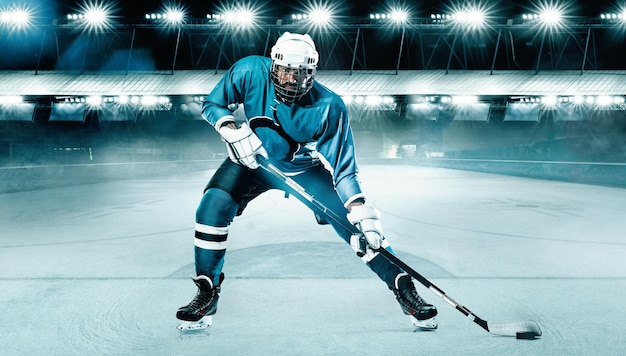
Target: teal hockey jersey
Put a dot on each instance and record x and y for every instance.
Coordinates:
(295, 136)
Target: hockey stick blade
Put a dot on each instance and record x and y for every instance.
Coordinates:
(520, 330)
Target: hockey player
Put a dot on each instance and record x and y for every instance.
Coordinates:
(295, 122)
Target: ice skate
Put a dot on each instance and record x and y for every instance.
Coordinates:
(422, 314)
(199, 313)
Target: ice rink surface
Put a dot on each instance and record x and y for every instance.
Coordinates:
(100, 269)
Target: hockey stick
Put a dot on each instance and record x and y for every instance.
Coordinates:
(520, 330)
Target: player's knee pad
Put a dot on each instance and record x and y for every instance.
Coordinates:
(217, 208)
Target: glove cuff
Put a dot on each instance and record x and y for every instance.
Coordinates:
(362, 212)
(223, 121)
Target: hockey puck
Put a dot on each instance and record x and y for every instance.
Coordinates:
(526, 335)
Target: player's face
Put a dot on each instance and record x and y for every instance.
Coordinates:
(291, 78)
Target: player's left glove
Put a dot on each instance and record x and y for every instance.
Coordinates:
(243, 145)
(367, 219)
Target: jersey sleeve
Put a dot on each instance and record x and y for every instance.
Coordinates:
(336, 145)
(229, 90)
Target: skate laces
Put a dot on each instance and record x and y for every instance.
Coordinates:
(201, 300)
(204, 296)
(407, 295)
(412, 300)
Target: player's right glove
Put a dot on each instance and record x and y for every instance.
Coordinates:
(243, 144)
(366, 218)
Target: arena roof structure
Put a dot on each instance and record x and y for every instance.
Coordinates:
(375, 82)
(467, 52)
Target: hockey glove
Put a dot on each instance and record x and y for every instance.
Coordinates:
(367, 219)
(243, 145)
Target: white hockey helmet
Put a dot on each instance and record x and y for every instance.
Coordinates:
(294, 61)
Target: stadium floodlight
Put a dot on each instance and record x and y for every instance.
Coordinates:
(8, 100)
(464, 99)
(614, 18)
(170, 16)
(399, 16)
(530, 17)
(122, 99)
(96, 16)
(549, 100)
(316, 15)
(16, 17)
(373, 100)
(610, 17)
(244, 17)
(604, 100)
(152, 102)
(439, 18)
(93, 16)
(240, 17)
(320, 16)
(578, 99)
(149, 100)
(94, 101)
(394, 16)
(370, 101)
(472, 18)
(548, 15)
(175, 16)
(551, 17)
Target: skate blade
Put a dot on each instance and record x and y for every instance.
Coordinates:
(203, 323)
(428, 324)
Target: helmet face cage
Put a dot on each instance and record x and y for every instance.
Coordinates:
(291, 83)
(294, 61)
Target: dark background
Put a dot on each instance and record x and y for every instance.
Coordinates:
(599, 138)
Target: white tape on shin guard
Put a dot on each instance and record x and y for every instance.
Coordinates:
(210, 230)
